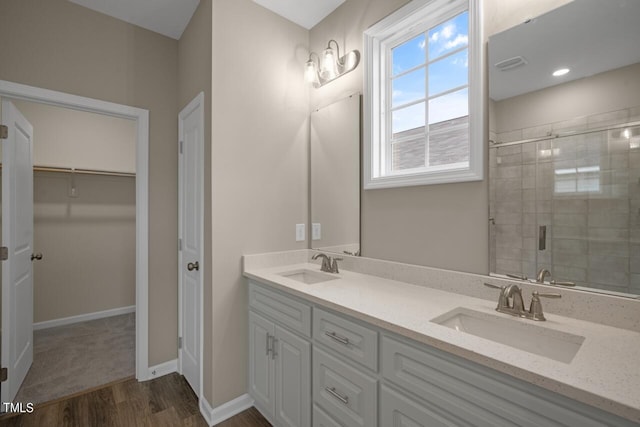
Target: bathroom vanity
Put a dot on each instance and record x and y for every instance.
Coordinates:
(366, 349)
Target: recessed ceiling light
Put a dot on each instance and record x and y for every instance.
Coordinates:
(560, 72)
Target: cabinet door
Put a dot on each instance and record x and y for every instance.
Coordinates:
(261, 363)
(293, 379)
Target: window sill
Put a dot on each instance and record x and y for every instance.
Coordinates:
(439, 177)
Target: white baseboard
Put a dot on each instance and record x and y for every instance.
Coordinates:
(163, 369)
(83, 317)
(224, 411)
(206, 410)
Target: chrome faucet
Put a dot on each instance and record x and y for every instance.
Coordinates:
(542, 273)
(546, 273)
(510, 300)
(329, 264)
(516, 307)
(517, 304)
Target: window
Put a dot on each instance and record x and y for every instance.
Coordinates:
(424, 119)
(585, 179)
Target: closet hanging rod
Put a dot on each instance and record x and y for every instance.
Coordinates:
(81, 171)
(493, 144)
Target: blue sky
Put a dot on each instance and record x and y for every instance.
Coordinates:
(444, 74)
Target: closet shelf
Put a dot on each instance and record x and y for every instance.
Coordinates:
(81, 171)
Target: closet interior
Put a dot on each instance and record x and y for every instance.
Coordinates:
(84, 217)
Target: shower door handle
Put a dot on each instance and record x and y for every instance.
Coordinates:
(542, 238)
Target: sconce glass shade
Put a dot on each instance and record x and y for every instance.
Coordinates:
(329, 66)
(311, 72)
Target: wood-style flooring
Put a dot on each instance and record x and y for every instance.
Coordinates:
(166, 401)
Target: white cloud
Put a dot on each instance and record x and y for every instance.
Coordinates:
(447, 38)
(445, 33)
(463, 62)
(460, 40)
(448, 31)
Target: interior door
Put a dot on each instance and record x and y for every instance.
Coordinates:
(17, 236)
(191, 220)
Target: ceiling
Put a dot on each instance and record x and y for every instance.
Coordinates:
(167, 17)
(306, 13)
(171, 17)
(587, 36)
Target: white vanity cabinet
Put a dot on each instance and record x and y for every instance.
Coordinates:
(436, 388)
(350, 373)
(279, 359)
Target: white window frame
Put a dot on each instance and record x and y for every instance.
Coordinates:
(405, 23)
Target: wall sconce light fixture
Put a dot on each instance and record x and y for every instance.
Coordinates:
(329, 65)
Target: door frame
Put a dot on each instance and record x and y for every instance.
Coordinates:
(11, 90)
(195, 103)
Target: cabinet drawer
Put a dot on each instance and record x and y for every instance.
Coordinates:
(344, 392)
(346, 337)
(291, 313)
(462, 389)
(397, 410)
(321, 419)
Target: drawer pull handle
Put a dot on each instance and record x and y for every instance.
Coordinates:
(332, 391)
(336, 337)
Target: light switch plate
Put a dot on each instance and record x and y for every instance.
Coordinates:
(300, 233)
(316, 231)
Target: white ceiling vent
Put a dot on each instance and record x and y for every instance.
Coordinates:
(511, 63)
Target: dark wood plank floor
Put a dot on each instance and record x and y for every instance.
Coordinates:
(249, 418)
(166, 401)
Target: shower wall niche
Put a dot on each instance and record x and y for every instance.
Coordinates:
(570, 204)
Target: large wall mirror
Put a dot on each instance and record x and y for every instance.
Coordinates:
(335, 177)
(565, 146)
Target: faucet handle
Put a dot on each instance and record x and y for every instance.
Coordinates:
(555, 282)
(547, 294)
(334, 265)
(535, 309)
(503, 302)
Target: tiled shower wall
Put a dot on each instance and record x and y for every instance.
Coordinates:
(584, 188)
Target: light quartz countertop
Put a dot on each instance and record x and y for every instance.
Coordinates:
(605, 372)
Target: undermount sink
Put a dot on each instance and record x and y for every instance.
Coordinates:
(556, 345)
(308, 277)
